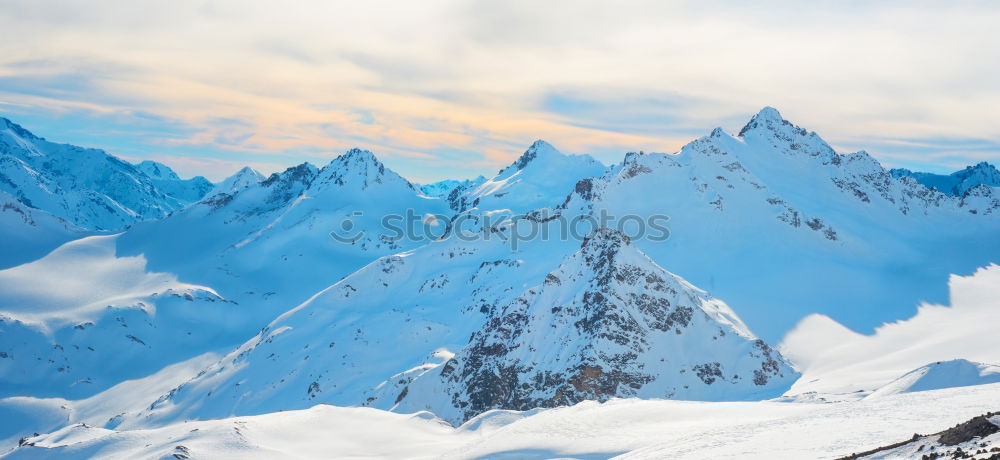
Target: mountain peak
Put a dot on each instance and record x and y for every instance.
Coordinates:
(157, 170)
(359, 154)
(606, 238)
(248, 171)
(981, 166)
(768, 117)
(358, 166)
(538, 149)
(17, 129)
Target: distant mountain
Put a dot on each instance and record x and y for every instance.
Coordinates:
(772, 220)
(770, 217)
(244, 178)
(958, 182)
(186, 191)
(444, 188)
(539, 178)
(941, 374)
(86, 187)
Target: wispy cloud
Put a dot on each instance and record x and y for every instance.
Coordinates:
(456, 88)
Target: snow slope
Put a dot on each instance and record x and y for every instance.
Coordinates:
(834, 359)
(626, 429)
(30, 233)
(83, 319)
(271, 246)
(942, 374)
(86, 187)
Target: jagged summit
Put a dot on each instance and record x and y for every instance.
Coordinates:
(602, 246)
(538, 149)
(957, 183)
(360, 155)
(358, 166)
(303, 172)
(20, 131)
(768, 118)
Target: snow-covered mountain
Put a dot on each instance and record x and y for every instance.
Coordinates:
(958, 182)
(81, 320)
(941, 374)
(539, 178)
(607, 323)
(186, 191)
(770, 217)
(402, 318)
(245, 257)
(244, 178)
(772, 220)
(443, 188)
(86, 187)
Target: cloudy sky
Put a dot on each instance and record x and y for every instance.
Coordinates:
(442, 88)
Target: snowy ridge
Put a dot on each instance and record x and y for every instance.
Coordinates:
(86, 187)
(958, 182)
(444, 188)
(186, 191)
(942, 374)
(780, 193)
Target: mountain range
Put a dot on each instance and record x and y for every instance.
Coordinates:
(957, 183)
(281, 292)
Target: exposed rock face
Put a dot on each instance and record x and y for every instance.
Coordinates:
(607, 323)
